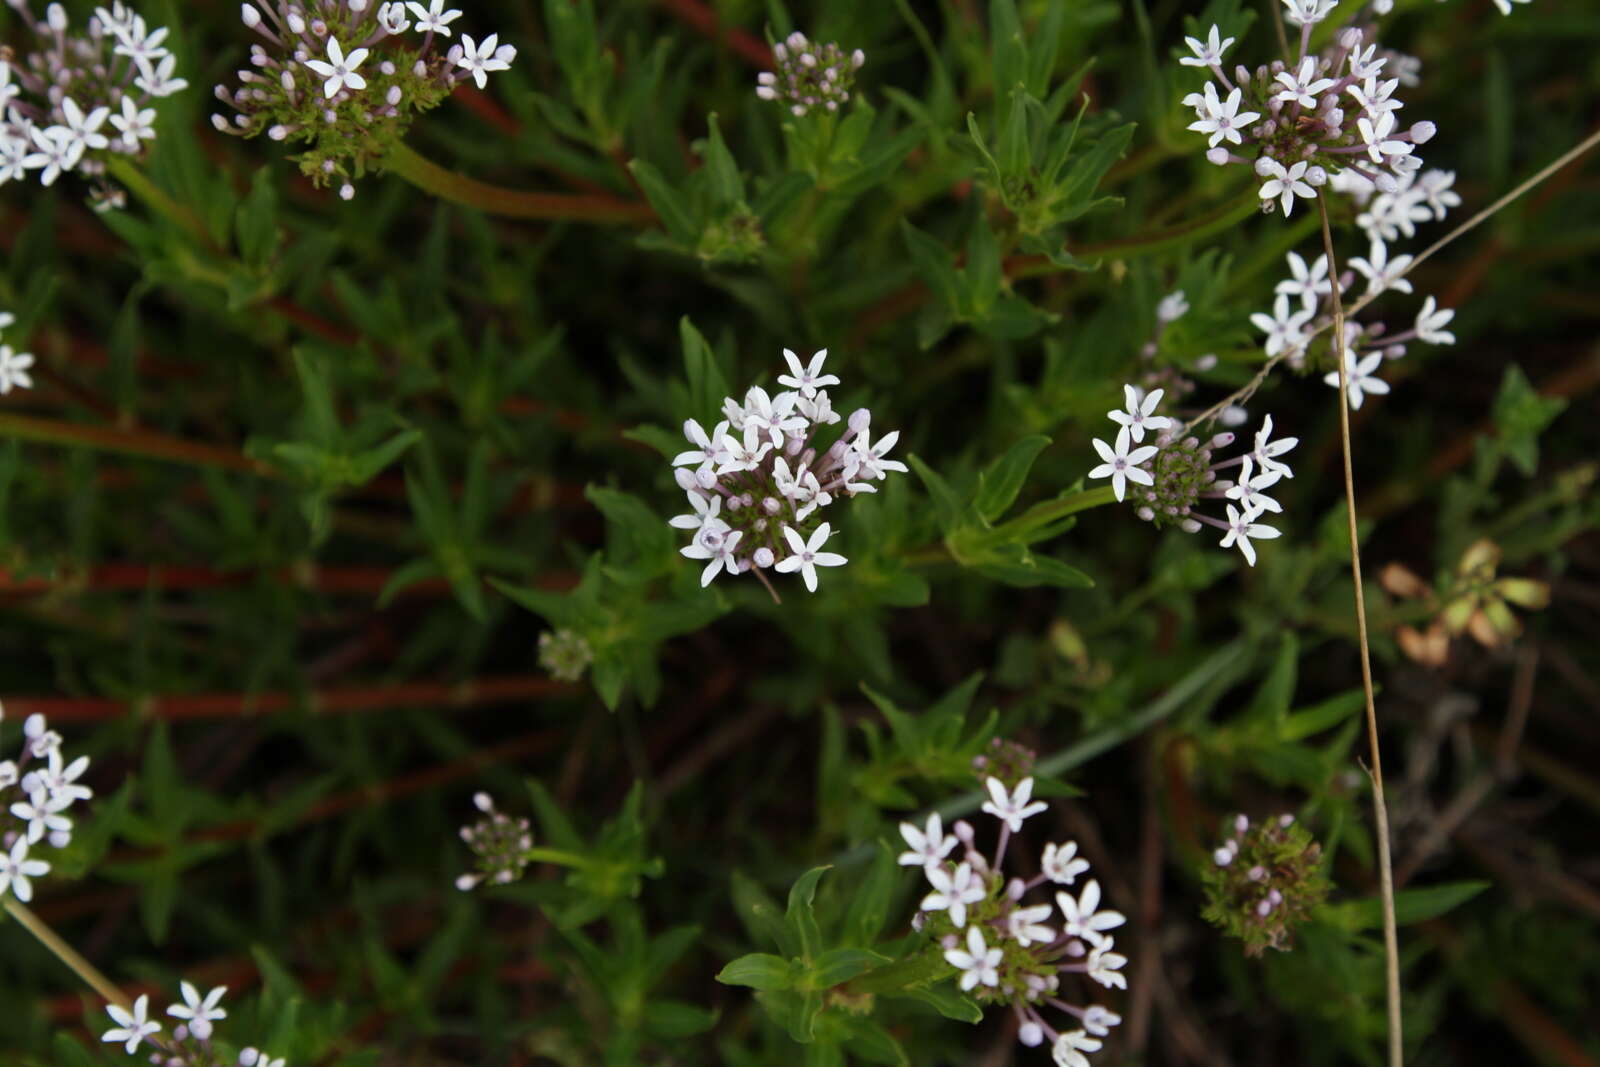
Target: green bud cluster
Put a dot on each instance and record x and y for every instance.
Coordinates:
(1264, 881)
(565, 653)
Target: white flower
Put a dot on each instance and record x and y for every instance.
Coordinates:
(1099, 1020)
(865, 459)
(158, 81)
(199, 1014)
(1140, 414)
(1375, 133)
(978, 964)
(61, 782)
(393, 18)
(1065, 1052)
(743, 455)
(16, 869)
(58, 152)
(1375, 97)
(1105, 966)
(1286, 184)
(806, 378)
(1505, 5)
(928, 847)
(808, 557)
(1082, 919)
(1241, 528)
(1011, 808)
(771, 416)
(1208, 54)
(8, 91)
(1024, 925)
(705, 511)
(1307, 12)
(1221, 118)
(1061, 863)
(13, 158)
(1363, 65)
(132, 1027)
(340, 69)
(84, 129)
(139, 47)
(953, 891)
(1284, 329)
(1121, 465)
(1308, 283)
(1247, 490)
(1302, 86)
(254, 1057)
(715, 542)
(1435, 186)
(478, 60)
(42, 813)
(1381, 272)
(710, 448)
(1267, 452)
(1362, 380)
(433, 19)
(136, 124)
(1431, 320)
(14, 369)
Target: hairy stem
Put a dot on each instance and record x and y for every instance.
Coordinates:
(513, 203)
(1391, 937)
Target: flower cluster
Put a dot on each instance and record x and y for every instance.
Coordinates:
(758, 481)
(565, 654)
(13, 364)
(1172, 476)
(190, 1044)
(1008, 952)
(1299, 123)
(1303, 308)
(73, 99)
(349, 76)
(500, 843)
(36, 790)
(809, 75)
(1263, 881)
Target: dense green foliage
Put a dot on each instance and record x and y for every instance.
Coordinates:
(303, 481)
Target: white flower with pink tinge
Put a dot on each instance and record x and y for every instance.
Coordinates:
(808, 556)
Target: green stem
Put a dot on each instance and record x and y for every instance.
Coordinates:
(129, 442)
(513, 203)
(66, 954)
(1053, 511)
(1220, 218)
(137, 182)
(555, 855)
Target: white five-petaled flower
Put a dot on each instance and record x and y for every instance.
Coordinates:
(339, 70)
(199, 1013)
(1062, 864)
(928, 847)
(1099, 1020)
(1431, 320)
(137, 124)
(807, 557)
(1065, 1052)
(479, 59)
(158, 80)
(1307, 12)
(705, 511)
(1361, 375)
(42, 813)
(1241, 528)
(1121, 465)
(1376, 134)
(1284, 183)
(133, 1026)
(866, 460)
(807, 378)
(1267, 451)
(84, 129)
(1207, 53)
(1140, 414)
(1381, 272)
(1105, 966)
(1222, 118)
(1301, 86)
(711, 449)
(1083, 920)
(1025, 925)
(978, 964)
(58, 152)
(433, 18)
(1247, 490)
(1308, 283)
(14, 369)
(17, 871)
(953, 891)
(1013, 807)
(715, 542)
(1284, 328)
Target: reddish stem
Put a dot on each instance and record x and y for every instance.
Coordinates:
(742, 43)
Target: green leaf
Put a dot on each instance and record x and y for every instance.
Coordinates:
(1410, 905)
(839, 965)
(667, 201)
(674, 1018)
(759, 970)
(801, 916)
(727, 188)
(948, 1002)
(999, 485)
(946, 503)
(1272, 699)
(869, 905)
